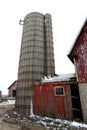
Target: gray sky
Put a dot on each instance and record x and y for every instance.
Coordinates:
(68, 17)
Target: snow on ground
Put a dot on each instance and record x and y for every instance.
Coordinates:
(56, 124)
(74, 123)
(47, 122)
(7, 102)
(53, 123)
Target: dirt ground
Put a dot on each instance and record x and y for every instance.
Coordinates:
(9, 123)
(10, 120)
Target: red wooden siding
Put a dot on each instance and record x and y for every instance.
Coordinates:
(79, 52)
(11, 88)
(45, 101)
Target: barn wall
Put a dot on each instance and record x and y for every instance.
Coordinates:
(46, 103)
(79, 56)
(79, 53)
(10, 90)
(83, 97)
(81, 61)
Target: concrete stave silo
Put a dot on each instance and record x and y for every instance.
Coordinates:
(36, 57)
(49, 46)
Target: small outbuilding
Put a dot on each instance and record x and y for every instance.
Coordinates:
(0, 94)
(58, 96)
(12, 89)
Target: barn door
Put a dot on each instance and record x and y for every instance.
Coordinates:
(14, 93)
(75, 98)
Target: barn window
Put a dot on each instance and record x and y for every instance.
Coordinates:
(59, 91)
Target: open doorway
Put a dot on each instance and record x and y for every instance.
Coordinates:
(14, 93)
(76, 104)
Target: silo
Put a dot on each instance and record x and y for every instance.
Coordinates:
(50, 67)
(33, 59)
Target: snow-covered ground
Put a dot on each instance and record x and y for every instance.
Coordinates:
(54, 123)
(58, 124)
(7, 102)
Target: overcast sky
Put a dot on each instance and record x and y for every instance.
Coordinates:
(68, 17)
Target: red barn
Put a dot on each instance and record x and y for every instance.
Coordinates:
(58, 96)
(78, 55)
(12, 89)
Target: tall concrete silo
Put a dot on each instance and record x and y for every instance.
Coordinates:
(36, 57)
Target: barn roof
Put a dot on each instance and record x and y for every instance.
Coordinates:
(61, 77)
(12, 84)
